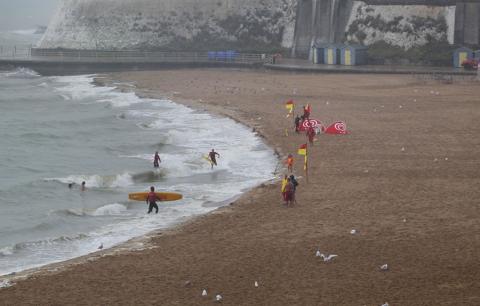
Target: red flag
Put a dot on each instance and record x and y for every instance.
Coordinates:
(304, 125)
(338, 128)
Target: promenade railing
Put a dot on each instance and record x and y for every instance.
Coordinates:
(136, 56)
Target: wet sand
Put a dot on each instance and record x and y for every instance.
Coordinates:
(407, 178)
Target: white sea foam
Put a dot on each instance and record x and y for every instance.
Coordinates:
(6, 251)
(110, 210)
(97, 181)
(23, 73)
(184, 137)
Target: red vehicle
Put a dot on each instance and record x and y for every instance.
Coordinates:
(470, 64)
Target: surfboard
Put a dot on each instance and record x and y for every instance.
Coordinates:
(164, 196)
(207, 159)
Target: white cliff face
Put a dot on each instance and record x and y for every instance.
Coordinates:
(171, 24)
(403, 26)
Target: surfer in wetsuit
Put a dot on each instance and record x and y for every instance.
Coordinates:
(212, 155)
(156, 160)
(152, 200)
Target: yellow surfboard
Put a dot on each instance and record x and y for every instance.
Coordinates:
(207, 159)
(164, 196)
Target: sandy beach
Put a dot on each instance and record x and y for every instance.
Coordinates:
(406, 178)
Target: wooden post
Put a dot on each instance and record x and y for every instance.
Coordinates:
(306, 163)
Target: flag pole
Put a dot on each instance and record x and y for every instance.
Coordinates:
(306, 163)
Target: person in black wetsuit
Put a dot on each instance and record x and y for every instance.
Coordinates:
(212, 155)
(156, 160)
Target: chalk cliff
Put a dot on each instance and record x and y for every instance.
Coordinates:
(172, 24)
(260, 24)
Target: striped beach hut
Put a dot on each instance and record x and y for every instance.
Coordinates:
(318, 54)
(353, 55)
(332, 54)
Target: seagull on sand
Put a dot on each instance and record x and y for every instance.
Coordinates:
(327, 258)
(218, 298)
(384, 267)
(385, 304)
(256, 284)
(100, 247)
(204, 292)
(353, 231)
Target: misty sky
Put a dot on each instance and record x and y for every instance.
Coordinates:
(25, 14)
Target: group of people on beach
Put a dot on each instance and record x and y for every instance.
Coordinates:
(289, 187)
(289, 182)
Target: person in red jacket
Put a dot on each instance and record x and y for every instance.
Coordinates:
(311, 135)
(152, 200)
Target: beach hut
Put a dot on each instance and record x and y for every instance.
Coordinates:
(318, 54)
(476, 55)
(353, 55)
(460, 55)
(332, 54)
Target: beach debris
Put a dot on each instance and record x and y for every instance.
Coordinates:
(415, 90)
(402, 149)
(259, 118)
(446, 158)
(365, 171)
(204, 292)
(384, 267)
(327, 103)
(218, 298)
(101, 246)
(256, 284)
(400, 106)
(414, 100)
(435, 159)
(437, 93)
(188, 283)
(432, 92)
(353, 231)
(404, 220)
(385, 304)
(374, 110)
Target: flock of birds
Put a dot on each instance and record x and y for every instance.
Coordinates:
(325, 257)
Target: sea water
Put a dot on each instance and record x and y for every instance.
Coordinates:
(55, 131)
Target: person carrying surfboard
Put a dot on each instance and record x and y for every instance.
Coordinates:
(156, 160)
(152, 200)
(212, 155)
